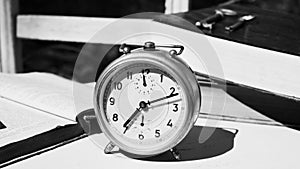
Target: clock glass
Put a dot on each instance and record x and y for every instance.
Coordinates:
(144, 106)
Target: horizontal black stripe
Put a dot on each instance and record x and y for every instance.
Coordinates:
(39, 142)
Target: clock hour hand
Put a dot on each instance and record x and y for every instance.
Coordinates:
(133, 116)
(128, 123)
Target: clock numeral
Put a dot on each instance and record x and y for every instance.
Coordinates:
(157, 133)
(175, 107)
(112, 100)
(118, 85)
(141, 137)
(170, 123)
(161, 78)
(147, 71)
(115, 117)
(172, 90)
(129, 75)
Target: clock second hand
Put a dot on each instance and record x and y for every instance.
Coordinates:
(144, 81)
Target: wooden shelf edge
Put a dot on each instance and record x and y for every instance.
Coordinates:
(65, 28)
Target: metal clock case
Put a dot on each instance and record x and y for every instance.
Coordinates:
(123, 98)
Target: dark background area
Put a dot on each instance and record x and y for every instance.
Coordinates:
(95, 8)
(59, 57)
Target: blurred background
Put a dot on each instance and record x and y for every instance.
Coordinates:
(59, 57)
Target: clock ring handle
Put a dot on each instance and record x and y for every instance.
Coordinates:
(126, 48)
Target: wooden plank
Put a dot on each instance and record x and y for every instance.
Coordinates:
(64, 28)
(8, 12)
(260, 68)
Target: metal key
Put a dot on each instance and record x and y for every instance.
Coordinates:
(240, 22)
(210, 20)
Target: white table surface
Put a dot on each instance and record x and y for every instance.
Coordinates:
(255, 146)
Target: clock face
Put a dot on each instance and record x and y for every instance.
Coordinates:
(144, 108)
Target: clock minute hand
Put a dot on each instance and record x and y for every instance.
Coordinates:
(162, 104)
(162, 98)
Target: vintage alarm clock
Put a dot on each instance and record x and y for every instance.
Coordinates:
(147, 100)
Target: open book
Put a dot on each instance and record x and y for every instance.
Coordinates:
(33, 103)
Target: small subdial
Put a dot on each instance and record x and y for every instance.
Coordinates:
(144, 84)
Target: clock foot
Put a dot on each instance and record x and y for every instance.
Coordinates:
(108, 149)
(175, 153)
(88, 120)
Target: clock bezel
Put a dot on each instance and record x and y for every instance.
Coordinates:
(178, 70)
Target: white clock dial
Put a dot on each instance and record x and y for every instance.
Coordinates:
(164, 103)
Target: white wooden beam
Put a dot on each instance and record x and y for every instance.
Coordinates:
(64, 28)
(248, 65)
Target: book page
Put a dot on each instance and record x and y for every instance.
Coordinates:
(46, 92)
(33, 103)
(23, 122)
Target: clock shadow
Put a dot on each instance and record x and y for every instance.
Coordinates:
(220, 142)
(190, 148)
